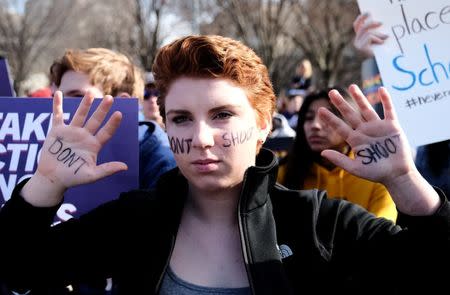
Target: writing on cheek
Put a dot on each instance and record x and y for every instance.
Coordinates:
(234, 138)
(378, 150)
(65, 155)
(180, 146)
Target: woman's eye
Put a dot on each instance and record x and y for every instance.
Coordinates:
(179, 119)
(309, 118)
(223, 115)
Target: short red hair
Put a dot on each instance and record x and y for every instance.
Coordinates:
(215, 57)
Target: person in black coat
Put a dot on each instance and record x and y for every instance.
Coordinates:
(219, 222)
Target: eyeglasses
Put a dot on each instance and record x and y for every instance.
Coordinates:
(150, 93)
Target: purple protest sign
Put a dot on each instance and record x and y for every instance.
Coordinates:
(24, 123)
(5, 79)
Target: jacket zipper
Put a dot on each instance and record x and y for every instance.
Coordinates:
(244, 243)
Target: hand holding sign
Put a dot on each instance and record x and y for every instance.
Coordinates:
(69, 154)
(413, 61)
(366, 34)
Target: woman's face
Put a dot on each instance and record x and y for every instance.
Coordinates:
(76, 84)
(150, 106)
(212, 130)
(301, 69)
(294, 104)
(318, 134)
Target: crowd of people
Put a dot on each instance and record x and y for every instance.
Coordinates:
(224, 214)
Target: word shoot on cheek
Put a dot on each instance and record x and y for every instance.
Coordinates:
(234, 138)
(378, 150)
(180, 146)
(65, 155)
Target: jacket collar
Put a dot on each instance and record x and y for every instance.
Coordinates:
(258, 181)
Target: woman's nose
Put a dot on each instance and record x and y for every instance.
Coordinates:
(316, 123)
(203, 136)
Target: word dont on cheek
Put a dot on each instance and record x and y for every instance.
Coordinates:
(65, 155)
(235, 138)
(180, 146)
(377, 151)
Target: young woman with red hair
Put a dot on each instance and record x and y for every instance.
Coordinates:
(219, 223)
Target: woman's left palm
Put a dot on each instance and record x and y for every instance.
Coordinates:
(381, 149)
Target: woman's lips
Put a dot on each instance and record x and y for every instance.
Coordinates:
(315, 139)
(206, 165)
(205, 161)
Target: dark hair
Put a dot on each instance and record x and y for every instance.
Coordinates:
(300, 157)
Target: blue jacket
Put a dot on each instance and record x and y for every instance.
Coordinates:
(155, 156)
(437, 174)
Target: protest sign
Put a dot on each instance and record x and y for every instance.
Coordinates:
(371, 80)
(415, 63)
(6, 88)
(24, 123)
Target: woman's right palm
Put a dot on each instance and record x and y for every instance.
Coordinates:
(69, 154)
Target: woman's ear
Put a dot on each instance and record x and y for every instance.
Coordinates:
(265, 127)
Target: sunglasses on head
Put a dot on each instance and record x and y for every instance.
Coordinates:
(150, 93)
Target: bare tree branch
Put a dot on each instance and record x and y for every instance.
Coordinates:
(326, 37)
(29, 30)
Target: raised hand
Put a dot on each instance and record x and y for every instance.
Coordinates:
(69, 154)
(366, 34)
(381, 149)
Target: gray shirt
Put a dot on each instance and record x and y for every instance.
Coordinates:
(173, 285)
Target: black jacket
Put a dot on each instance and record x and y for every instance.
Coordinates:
(327, 245)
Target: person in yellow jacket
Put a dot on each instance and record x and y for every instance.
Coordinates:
(305, 168)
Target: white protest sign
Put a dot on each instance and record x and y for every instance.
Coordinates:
(415, 63)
